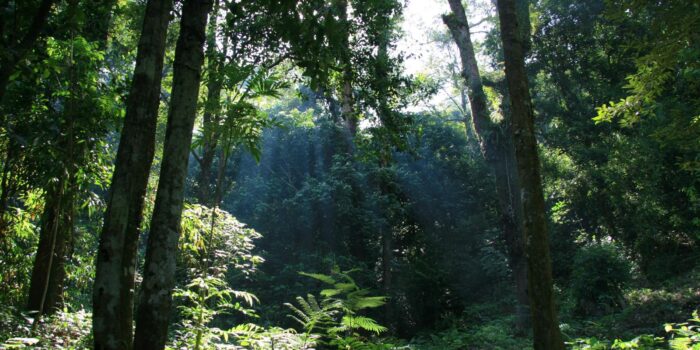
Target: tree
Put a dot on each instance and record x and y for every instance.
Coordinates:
(241, 69)
(347, 99)
(116, 260)
(498, 150)
(161, 251)
(212, 109)
(15, 48)
(75, 53)
(547, 335)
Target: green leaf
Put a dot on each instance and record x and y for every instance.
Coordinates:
(320, 277)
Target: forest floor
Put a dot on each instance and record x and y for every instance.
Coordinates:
(648, 308)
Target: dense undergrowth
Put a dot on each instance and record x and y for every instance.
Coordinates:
(653, 317)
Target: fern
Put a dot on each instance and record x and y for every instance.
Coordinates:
(364, 323)
(334, 320)
(320, 277)
(213, 241)
(369, 302)
(311, 315)
(330, 292)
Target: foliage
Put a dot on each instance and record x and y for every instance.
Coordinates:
(587, 53)
(213, 243)
(16, 249)
(680, 336)
(491, 334)
(599, 278)
(319, 208)
(642, 342)
(335, 317)
(685, 336)
(615, 90)
(243, 123)
(70, 330)
(253, 337)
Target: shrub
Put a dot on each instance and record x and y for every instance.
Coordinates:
(65, 329)
(599, 277)
(679, 336)
(335, 318)
(497, 334)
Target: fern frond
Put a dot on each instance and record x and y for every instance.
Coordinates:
(369, 302)
(318, 276)
(298, 312)
(249, 298)
(364, 323)
(345, 287)
(313, 303)
(302, 323)
(330, 292)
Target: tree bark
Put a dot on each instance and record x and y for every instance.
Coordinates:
(116, 259)
(497, 147)
(547, 335)
(212, 113)
(98, 15)
(159, 270)
(13, 54)
(56, 234)
(48, 270)
(347, 98)
(6, 187)
(387, 241)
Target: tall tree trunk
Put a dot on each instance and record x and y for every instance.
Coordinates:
(547, 335)
(497, 148)
(386, 176)
(511, 217)
(212, 112)
(13, 54)
(6, 187)
(56, 231)
(347, 99)
(116, 259)
(387, 241)
(345, 134)
(98, 16)
(159, 270)
(49, 264)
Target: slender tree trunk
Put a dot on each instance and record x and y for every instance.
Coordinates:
(386, 177)
(57, 231)
(347, 99)
(49, 268)
(387, 241)
(497, 147)
(116, 259)
(159, 270)
(387, 276)
(511, 213)
(13, 54)
(212, 110)
(547, 335)
(347, 106)
(6, 188)
(98, 15)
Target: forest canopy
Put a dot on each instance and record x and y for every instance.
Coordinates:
(349, 174)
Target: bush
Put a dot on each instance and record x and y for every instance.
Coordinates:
(497, 334)
(599, 277)
(679, 336)
(65, 329)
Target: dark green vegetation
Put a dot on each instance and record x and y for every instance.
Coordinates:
(266, 174)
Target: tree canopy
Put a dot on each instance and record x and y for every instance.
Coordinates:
(349, 174)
